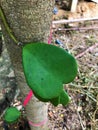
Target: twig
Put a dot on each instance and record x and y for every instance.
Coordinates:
(83, 91)
(81, 122)
(80, 119)
(76, 29)
(95, 1)
(87, 50)
(89, 95)
(74, 20)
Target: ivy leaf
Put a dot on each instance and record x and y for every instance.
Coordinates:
(47, 68)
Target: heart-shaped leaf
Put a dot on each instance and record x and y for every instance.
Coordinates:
(47, 68)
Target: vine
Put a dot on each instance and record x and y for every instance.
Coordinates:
(7, 27)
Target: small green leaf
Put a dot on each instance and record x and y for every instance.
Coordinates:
(64, 98)
(47, 68)
(55, 101)
(12, 115)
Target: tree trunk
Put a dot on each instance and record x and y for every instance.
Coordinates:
(30, 21)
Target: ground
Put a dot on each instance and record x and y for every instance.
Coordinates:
(82, 112)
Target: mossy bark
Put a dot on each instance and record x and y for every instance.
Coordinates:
(30, 21)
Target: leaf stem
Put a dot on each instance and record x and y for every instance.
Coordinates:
(7, 27)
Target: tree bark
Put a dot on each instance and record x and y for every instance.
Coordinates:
(30, 21)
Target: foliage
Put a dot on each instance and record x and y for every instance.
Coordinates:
(47, 68)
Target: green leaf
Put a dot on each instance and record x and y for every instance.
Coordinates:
(55, 101)
(64, 98)
(47, 68)
(12, 115)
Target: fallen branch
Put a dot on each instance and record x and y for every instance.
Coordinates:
(76, 28)
(74, 20)
(95, 1)
(87, 50)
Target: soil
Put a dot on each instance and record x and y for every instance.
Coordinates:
(82, 112)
